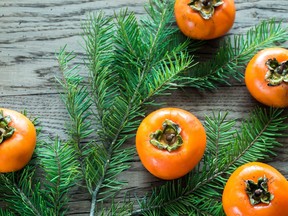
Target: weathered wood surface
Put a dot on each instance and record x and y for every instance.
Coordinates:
(31, 32)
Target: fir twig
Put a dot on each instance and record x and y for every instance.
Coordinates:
(61, 173)
(233, 54)
(77, 101)
(129, 63)
(22, 192)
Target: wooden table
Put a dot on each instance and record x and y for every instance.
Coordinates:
(31, 32)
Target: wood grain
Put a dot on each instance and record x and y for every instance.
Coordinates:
(31, 32)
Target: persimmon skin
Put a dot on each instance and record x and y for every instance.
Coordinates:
(194, 26)
(171, 165)
(16, 151)
(274, 96)
(236, 201)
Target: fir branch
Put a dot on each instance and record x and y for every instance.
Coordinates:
(153, 57)
(26, 195)
(200, 191)
(233, 54)
(77, 100)
(61, 173)
(143, 66)
(21, 192)
(98, 37)
(98, 33)
(76, 97)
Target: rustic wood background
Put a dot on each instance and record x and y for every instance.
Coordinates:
(32, 31)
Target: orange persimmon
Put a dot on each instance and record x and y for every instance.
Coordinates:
(204, 19)
(266, 77)
(17, 140)
(170, 142)
(256, 189)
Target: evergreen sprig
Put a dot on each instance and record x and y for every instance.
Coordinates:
(233, 54)
(22, 192)
(200, 192)
(42, 187)
(129, 62)
(61, 173)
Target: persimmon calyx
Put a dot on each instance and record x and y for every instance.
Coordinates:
(206, 8)
(277, 72)
(168, 138)
(6, 131)
(258, 192)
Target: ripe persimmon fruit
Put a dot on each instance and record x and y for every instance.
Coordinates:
(256, 189)
(170, 142)
(204, 19)
(17, 140)
(266, 77)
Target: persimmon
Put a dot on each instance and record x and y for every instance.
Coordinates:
(17, 140)
(170, 142)
(204, 19)
(256, 189)
(266, 77)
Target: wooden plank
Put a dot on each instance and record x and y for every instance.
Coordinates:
(31, 34)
